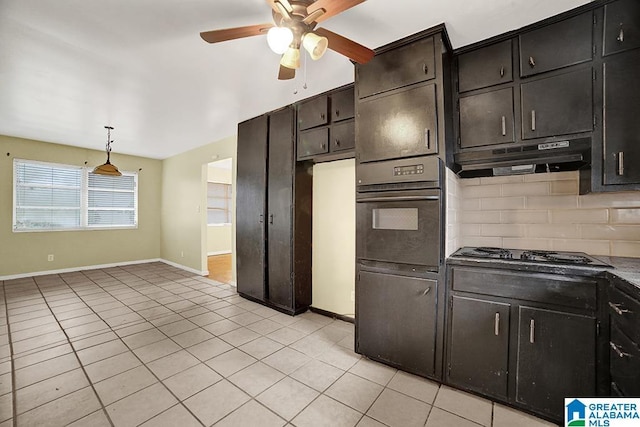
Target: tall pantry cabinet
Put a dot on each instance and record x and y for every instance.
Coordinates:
(273, 214)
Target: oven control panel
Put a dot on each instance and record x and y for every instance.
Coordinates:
(408, 170)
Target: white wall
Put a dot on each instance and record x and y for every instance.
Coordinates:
(334, 233)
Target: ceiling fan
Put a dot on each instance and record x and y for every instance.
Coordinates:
(295, 26)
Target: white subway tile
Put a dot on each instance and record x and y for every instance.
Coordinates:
(580, 216)
(611, 200)
(480, 217)
(502, 179)
(470, 229)
(565, 187)
(591, 247)
(526, 189)
(559, 231)
(622, 248)
(526, 243)
(481, 191)
(481, 241)
(552, 177)
(552, 202)
(502, 203)
(464, 182)
(625, 216)
(470, 204)
(611, 232)
(503, 230)
(524, 217)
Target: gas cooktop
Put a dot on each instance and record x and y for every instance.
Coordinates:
(533, 256)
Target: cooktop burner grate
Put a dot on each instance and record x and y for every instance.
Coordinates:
(531, 256)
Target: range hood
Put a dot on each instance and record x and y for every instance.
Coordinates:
(553, 156)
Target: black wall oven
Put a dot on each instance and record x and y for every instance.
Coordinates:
(399, 254)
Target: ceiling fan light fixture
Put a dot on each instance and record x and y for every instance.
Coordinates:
(279, 39)
(314, 44)
(107, 168)
(291, 58)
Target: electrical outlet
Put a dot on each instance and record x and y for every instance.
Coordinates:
(50, 257)
(353, 295)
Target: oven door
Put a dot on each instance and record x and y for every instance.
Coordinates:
(401, 227)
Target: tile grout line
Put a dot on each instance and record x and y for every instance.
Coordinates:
(14, 417)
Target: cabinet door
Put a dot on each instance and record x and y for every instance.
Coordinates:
(313, 142)
(479, 345)
(343, 136)
(625, 363)
(487, 118)
(401, 124)
(396, 320)
(621, 26)
(485, 67)
(621, 125)
(556, 359)
(251, 188)
(280, 287)
(396, 68)
(558, 45)
(314, 112)
(342, 105)
(558, 105)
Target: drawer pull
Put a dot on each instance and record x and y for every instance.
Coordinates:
(532, 62)
(504, 126)
(620, 37)
(337, 143)
(425, 68)
(619, 352)
(271, 219)
(501, 71)
(532, 331)
(621, 163)
(427, 138)
(322, 116)
(496, 325)
(323, 145)
(617, 309)
(533, 120)
(426, 291)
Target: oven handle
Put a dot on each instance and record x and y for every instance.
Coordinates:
(397, 199)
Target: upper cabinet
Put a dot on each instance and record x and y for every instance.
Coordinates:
(313, 112)
(489, 66)
(621, 26)
(558, 45)
(342, 105)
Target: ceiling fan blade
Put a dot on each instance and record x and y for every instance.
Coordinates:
(313, 17)
(286, 73)
(331, 7)
(284, 3)
(346, 47)
(216, 36)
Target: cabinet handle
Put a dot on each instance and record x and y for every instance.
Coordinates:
(532, 62)
(532, 331)
(533, 120)
(426, 291)
(323, 145)
(621, 163)
(322, 115)
(617, 309)
(427, 138)
(619, 352)
(496, 325)
(501, 71)
(261, 219)
(504, 126)
(337, 142)
(271, 219)
(425, 68)
(337, 113)
(620, 37)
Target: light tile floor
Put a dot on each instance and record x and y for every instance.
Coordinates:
(154, 345)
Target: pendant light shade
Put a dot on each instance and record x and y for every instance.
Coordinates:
(291, 58)
(107, 168)
(315, 45)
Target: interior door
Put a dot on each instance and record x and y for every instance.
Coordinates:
(479, 345)
(280, 196)
(551, 367)
(396, 320)
(251, 206)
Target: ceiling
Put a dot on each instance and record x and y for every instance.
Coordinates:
(67, 68)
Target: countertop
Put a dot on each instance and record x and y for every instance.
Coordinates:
(627, 269)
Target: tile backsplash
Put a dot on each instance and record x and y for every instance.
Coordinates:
(541, 211)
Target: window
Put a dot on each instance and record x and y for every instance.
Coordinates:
(50, 196)
(218, 203)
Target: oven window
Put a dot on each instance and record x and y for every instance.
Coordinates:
(395, 219)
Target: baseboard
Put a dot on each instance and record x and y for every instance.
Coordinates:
(82, 268)
(184, 267)
(332, 315)
(218, 253)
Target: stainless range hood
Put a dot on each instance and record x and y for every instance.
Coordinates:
(553, 156)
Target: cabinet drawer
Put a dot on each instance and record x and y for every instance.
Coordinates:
(487, 118)
(558, 105)
(557, 45)
(625, 313)
(624, 363)
(313, 142)
(554, 289)
(396, 68)
(621, 26)
(400, 124)
(343, 136)
(485, 67)
(314, 112)
(342, 105)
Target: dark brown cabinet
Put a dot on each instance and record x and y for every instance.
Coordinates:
(342, 136)
(558, 45)
(479, 349)
(393, 69)
(343, 105)
(487, 118)
(273, 214)
(621, 139)
(558, 105)
(488, 66)
(313, 112)
(313, 142)
(621, 26)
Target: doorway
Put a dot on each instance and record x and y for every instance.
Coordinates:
(220, 220)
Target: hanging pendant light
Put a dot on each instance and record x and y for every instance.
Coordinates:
(107, 168)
